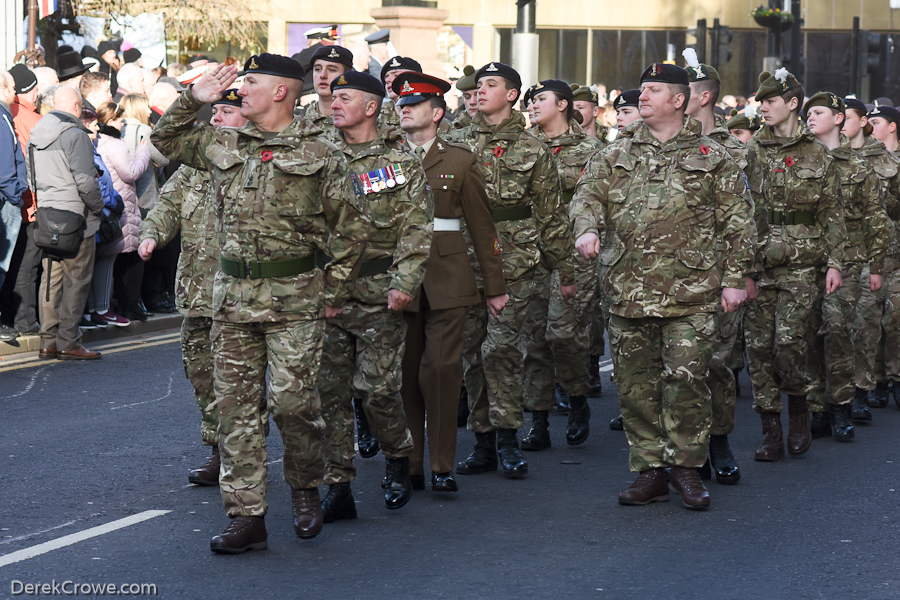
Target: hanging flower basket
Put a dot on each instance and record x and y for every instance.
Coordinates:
(772, 18)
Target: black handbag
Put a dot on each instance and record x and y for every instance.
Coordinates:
(59, 233)
(110, 229)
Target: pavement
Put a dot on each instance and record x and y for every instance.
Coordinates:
(96, 454)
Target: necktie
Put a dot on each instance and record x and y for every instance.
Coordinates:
(420, 153)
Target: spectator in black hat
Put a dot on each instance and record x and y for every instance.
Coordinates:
(133, 55)
(70, 68)
(109, 62)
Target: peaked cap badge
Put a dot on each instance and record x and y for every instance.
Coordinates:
(406, 87)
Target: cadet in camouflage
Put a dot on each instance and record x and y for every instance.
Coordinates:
(281, 193)
(326, 64)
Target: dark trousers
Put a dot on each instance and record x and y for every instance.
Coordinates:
(25, 293)
(159, 273)
(69, 281)
(127, 275)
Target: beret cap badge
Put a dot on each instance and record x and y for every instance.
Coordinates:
(253, 64)
(492, 68)
(232, 96)
(334, 53)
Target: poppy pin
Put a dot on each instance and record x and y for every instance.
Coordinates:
(557, 149)
(498, 151)
(704, 150)
(266, 155)
(789, 162)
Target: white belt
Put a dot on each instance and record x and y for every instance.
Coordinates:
(446, 224)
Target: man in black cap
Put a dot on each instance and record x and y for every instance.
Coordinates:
(674, 204)
(627, 111)
(389, 71)
(133, 55)
(327, 64)
(70, 68)
(364, 344)
(379, 51)
(283, 194)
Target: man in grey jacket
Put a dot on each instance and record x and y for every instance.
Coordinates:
(66, 179)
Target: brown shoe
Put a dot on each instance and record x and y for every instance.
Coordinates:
(687, 484)
(650, 486)
(242, 534)
(308, 515)
(772, 447)
(799, 433)
(79, 353)
(208, 474)
(47, 353)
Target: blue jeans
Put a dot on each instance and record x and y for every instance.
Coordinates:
(11, 218)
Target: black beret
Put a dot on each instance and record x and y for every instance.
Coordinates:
(554, 85)
(229, 97)
(412, 87)
(400, 62)
(855, 104)
(663, 73)
(358, 80)
(23, 77)
(104, 47)
(883, 101)
(528, 96)
(131, 55)
(334, 54)
(888, 112)
(273, 64)
(497, 68)
(379, 37)
(627, 98)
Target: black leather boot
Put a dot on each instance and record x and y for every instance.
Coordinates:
(462, 411)
(483, 457)
(595, 388)
(842, 427)
(879, 396)
(511, 459)
(617, 423)
(338, 503)
(820, 425)
(893, 389)
(368, 445)
(397, 484)
(538, 437)
(578, 428)
(859, 410)
(562, 401)
(722, 460)
(737, 383)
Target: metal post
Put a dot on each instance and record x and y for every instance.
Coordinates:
(701, 40)
(32, 23)
(714, 46)
(854, 58)
(796, 41)
(525, 43)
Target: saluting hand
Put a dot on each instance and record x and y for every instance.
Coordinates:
(588, 245)
(212, 84)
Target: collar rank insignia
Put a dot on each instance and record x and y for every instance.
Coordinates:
(334, 54)
(654, 70)
(406, 87)
(492, 68)
(253, 64)
(440, 146)
(232, 96)
(394, 63)
(699, 71)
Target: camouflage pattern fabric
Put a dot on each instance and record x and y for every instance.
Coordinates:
(891, 326)
(291, 351)
(388, 116)
(661, 365)
(311, 111)
(721, 381)
(196, 353)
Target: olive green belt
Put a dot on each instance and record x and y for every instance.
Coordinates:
(267, 268)
(799, 217)
(567, 197)
(511, 213)
(369, 267)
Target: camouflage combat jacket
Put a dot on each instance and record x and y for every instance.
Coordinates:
(388, 114)
(678, 222)
(868, 229)
(277, 199)
(183, 205)
(462, 121)
(800, 179)
(311, 112)
(572, 150)
(519, 173)
(887, 169)
(402, 217)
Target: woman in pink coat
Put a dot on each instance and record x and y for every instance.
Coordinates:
(124, 170)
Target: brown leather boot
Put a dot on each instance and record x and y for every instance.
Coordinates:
(242, 534)
(772, 447)
(650, 486)
(208, 474)
(687, 484)
(799, 432)
(308, 515)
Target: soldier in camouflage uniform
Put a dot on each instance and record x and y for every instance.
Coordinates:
(327, 64)
(469, 106)
(588, 104)
(281, 193)
(678, 241)
(556, 335)
(867, 241)
(878, 313)
(804, 245)
(364, 344)
(183, 205)
(523, 186)
(705, 87)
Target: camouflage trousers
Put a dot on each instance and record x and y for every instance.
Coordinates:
(492, 361)
(597, 313)
(891, 326)
(872, 324)
(721, 379)
(196, 353)
(831, 344)
(777, 333)
(362, 359)
(661, 370)
(556, 337)
(242, 353)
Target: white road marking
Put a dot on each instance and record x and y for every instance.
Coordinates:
(168, 393)
(31, 382)
(74, 538)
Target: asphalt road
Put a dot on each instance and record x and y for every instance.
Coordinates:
(86, 446)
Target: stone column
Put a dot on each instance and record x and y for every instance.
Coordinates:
(414, 33)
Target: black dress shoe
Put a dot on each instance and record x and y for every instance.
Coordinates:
(398, 486)
(722, 460)
(418, 482)
(137, 315)
(163, 306)
(443, 482)
(338, 503)
(143, 308)
(617, 423)
(242, 534)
